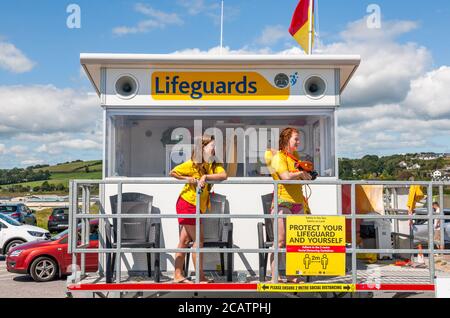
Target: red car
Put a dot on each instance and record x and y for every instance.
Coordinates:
(46, 260)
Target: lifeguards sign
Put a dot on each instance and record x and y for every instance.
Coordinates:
(221, 85)
(315, 245)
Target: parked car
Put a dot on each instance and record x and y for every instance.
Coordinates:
(19, 211)
(420, 228)
(13, 233)
(59, 220)
(47, 260)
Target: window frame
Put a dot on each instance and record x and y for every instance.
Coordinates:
(327, 113)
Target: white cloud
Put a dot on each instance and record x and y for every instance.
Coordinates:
(387, 67)
(143, 26)
(195, 7)
(383, 137)
(69, 144)
(44, 109)
(44, 148)
(211, 9)
(272, 34)
(12, 59)
(45, 121)
(430, 94)
(32, 162)
(157, 19)
(348, 116)
(395, 98)
(225, 51)
(394, 103)
(157, 14)
(81, 144)
(359, 31)
(387, 133)
(45, 137)
(18, 150)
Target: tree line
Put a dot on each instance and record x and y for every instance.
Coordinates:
(388, 167)
(44, 187)
(18, 175)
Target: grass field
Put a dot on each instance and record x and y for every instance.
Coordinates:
(63, 178)
(74, 166)
(42, 215)
(65, 172)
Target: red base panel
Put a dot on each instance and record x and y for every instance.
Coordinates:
(230, 287)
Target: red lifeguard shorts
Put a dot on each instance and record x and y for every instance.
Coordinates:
(184, 207)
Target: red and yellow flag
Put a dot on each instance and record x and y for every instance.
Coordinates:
(302, 23)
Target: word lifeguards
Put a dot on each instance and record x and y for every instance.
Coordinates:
(196, 89)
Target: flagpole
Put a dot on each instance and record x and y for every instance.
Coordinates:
(221, 28)
(311, 4)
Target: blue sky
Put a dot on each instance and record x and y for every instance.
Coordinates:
(38, 31)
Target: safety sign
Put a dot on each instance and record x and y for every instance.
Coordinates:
(315, 245)
(306, 288)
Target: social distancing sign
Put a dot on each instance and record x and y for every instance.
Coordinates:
(306, 288)
(315, 245)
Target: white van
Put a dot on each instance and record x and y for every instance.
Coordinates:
(13, 233)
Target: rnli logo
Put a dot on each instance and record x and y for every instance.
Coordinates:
(281, 80)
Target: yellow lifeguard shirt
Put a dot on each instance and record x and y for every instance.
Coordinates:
(415, 195)
(278, 164)
(188, 193)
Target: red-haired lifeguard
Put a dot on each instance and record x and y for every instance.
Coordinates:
(281, 165)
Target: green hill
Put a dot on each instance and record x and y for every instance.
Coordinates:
(93, 165)
(394, 167)
(58, 180)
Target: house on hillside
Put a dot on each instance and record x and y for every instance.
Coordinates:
(403, 164)
(436, 174)
(415, 166)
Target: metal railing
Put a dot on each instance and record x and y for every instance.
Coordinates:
(75, 248)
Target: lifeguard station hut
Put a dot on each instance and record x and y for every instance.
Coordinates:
(154, 105)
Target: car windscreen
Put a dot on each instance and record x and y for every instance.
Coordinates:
(8, 208)
(9, 220)
(424, 211)
(60, 235)
(93, 228)
(60, 212)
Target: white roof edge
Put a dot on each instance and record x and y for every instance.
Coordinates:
(93, 61)
(111, 58)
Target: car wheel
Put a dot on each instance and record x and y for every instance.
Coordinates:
(43, 269)
(12, 244)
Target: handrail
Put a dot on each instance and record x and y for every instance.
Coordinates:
(261, 181)
(353, 216)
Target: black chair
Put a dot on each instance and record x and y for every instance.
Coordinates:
(135, 232)
(265, 235)
(218, 232)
